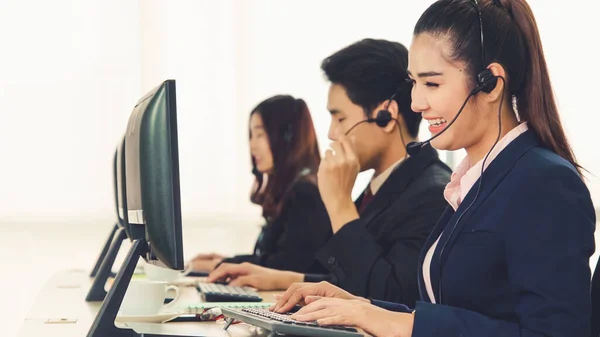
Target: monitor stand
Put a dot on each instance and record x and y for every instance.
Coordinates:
(97, 292)
(104, 250)
(104, 323)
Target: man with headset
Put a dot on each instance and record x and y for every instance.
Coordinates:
(377, 239)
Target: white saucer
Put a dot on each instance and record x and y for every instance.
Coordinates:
(158, 318)
(183, 281)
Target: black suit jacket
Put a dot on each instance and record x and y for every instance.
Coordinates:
(377, 255)
(292, 239)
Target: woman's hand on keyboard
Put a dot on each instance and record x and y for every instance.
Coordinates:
(247, 274)
(297, 293)
(356, 313)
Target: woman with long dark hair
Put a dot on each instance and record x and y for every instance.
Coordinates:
(510, 256)
(285, 158)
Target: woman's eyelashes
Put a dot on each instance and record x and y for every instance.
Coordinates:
(427, 84)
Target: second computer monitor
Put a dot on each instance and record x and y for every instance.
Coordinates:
(121, 188)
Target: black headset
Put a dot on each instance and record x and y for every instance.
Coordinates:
(288, 134)
(383, 118)
(486, 83)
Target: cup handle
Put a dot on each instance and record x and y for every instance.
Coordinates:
(174, 301)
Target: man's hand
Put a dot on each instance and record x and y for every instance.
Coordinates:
(205, 265)
(336, 177)
(297, 293)
(211, 256)
(261, 278)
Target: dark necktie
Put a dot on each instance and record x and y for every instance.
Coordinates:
(367, 196)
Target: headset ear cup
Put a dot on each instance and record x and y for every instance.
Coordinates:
(383, 118)
(287, 135)
(486, 81)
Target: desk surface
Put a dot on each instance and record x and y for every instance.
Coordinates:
(63, 296)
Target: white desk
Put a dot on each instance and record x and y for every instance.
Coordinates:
(63, 296)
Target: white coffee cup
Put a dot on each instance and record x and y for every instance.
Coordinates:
(145, 297)
(156, 273)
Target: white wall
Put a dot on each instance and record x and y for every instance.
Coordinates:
(193, 42)
(68, 72)
(71, 71)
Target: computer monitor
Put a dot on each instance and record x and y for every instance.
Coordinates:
(121, 188)
(116, 180)
(152, 170)
(103, 268)
(115, 227)
(152, 198)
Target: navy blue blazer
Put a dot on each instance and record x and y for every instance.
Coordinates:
(517, 264)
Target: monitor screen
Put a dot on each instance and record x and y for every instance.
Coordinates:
(152, 172)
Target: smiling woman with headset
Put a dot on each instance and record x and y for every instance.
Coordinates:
(285, 157)
(510, 256)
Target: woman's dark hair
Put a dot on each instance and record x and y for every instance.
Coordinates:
(511, 38)
(294, 146)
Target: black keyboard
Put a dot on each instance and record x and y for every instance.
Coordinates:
(223, 293)
(197, 274)
(283, 324)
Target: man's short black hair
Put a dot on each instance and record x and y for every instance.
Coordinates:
(372, 71)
